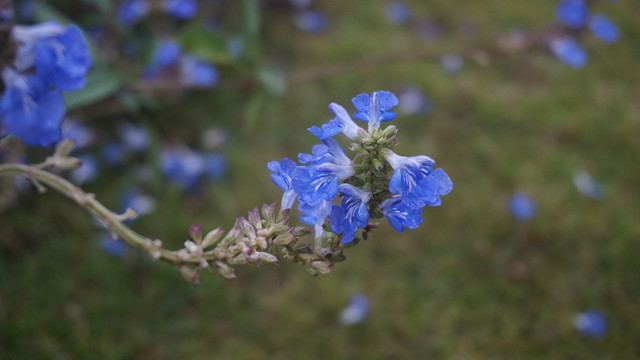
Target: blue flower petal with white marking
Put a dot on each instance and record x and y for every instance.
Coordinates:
(434, 185)
(328, 130)
(31, 110)
(348, 127)
(604, 29)
(374, 108)
(572, 13)
(315, 215)
(400, 215)
(569, 51)
(409, 171)
(281, 177)
(353, 213)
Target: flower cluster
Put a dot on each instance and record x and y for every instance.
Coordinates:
(375, 183)
(575, 15)
(131, 11)
(50, 58)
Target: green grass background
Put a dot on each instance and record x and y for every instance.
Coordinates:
(470, 283)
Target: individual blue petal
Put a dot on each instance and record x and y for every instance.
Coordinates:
(356, 312)
(603, 28)
(181, 9)
(522, 206)
(398, 12)
(195, 72)
(319, 153)
(592, 323)
(434, 185)
(569, 51)
(348, 127)
(311, 21)
(133, 10)
(400, 214)
(282, 178)
(315, 215)
(332, 128)
(87, 172)
(352, 214)
(31, 110)
(572, 13)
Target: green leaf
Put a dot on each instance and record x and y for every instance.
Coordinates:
(204, 44)
(100, 85)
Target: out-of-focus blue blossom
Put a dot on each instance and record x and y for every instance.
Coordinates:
(114, 153)
(603, 28)
(135, 138)
(400, 215)
(592, 323)
(428, 30)
(374, 108)
(215, 165)
(235, 46)
(131, 11)
(30, 109)
(356, 312)
(281, 176)
(315, 215)
(353, 213)
(96, 32)
(167, 53)
(311, 21)
(195, 72)
(572, 13)
(87, 172)
(116, 248)
(137, 200)
(74, 130)
(181, 9)
(568, 50)
(182, 166)
(60, 54)
(587, 186)
(301, 3)
(451, 63)
(398, 12)
(413, 101)
(522, 206)
(26, 9)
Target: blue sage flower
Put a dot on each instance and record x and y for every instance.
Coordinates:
(181, 9)
(400, 214)
(592, 323)
(315, 215)
(348, 127)
(357, 310)
(281, 176)
(374, 108)
(522, 206)
(131, 11)
(195, 72)
(407, 175)
(353, 213)
(572, 13)
(60, 54)
(603, 28)
(31, 110)
(569, 51)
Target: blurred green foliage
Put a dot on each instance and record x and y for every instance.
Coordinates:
(470, 283)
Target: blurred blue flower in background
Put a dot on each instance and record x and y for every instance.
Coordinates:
(398, 12)
(572, 13)
(182, 166)
(522, 206)
(428, 30)
(587, 186)
(215, 165)
(451, 63)
(135, 138)
(195, 72)
(113, 247)
(166, 53)
(87, 172)
(181, 9)
(74, 130)
(114, 153)
(604, 29)
(413, 101)
(134, 198)
(568, 50)
(131, 11)
(311, 21)
(592, 323)
(356, 312)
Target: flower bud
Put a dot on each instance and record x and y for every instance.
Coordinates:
(212, 237)
(254, 218)
(195, 231)
(225, 270)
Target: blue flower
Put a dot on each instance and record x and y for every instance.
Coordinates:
(435, 184)
(134, 198)
(320, 180)
(182, 166)
(113, 247)
(353, 213)
(400, 215)
(281, 176)
(167, 53)
(587, 186)
(569, 51)
(133, 10)
(60, 55)
(215, 165)
(311, 21)
(195, 72)
(522, 206)
(315, 215)
(87, 172)
(572, 13)
(591, 323)
(413, 101)
(76, 131)
(398, 12)
(347, 126)
(31, 110)
(181, 9)
(407, 175)
(375, 108)
(451, 63)
(357, 310)
(603, 28)
(134, 137)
